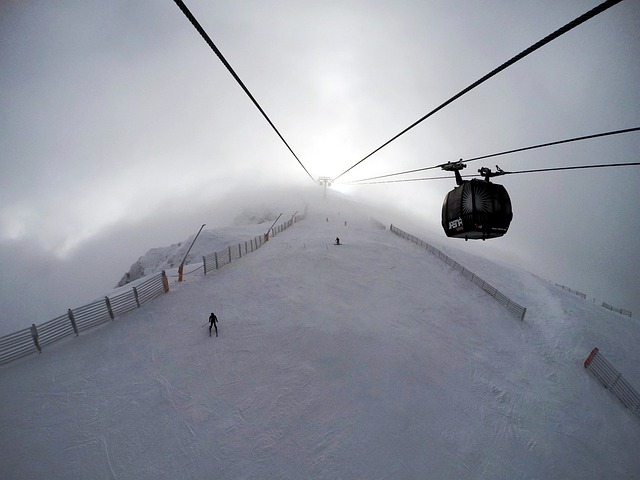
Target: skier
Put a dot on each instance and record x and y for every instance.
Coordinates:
(212, 323)
(337, 241)
(34, 335)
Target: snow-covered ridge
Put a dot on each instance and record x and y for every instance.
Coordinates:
(251, 222)
(166, 258)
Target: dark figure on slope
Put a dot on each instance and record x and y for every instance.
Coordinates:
(213, 320)
(337, 241)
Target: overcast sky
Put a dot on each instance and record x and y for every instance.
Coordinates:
(121, 130)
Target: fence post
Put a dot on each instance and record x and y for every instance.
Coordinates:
(135, 294)
(593, 353)
(165, 280)
(34, 336)
(239, 250)
(613, 380)
(229, 253)
(591, 356)
(106, 300)
(73, 321)
(216, 255)
(204, 264)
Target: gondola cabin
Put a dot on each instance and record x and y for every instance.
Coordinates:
(476, 209)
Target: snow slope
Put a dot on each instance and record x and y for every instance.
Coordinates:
(372, 359)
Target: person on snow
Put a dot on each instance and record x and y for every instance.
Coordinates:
(337, 241)
(213, 320)
(34, 335)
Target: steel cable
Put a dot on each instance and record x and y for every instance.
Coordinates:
(552, 169)
(569, 140)
(207, 39)
(569, 26)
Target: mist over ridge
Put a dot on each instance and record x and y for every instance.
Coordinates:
(97, 265)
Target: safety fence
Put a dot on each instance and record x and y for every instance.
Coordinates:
(30, 340)
(613, 380)
(518, 310)
(33, 339)
(215, 260)
(575, 292)
(621, 311)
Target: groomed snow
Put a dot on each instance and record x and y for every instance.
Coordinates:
(368, 360)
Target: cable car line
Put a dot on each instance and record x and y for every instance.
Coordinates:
(587, 137)
(569, 140)
(215, 49)
(405, 180)
(575, 168)
(579, 167)
(569, 26)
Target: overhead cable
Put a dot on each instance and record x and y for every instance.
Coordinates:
(569, 26)
(576, 139)
(608, 165)
(207, 39)
(552, 169)
(587, 137)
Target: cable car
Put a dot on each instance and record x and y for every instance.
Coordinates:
(476, 209)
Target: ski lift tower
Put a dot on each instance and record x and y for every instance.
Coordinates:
(326, 182)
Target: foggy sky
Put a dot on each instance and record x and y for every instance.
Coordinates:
(121, 131)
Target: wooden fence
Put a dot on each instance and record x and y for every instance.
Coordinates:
(518, 310)
(613, 380)
(215, 260)
(33, 339)
(621, 311)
